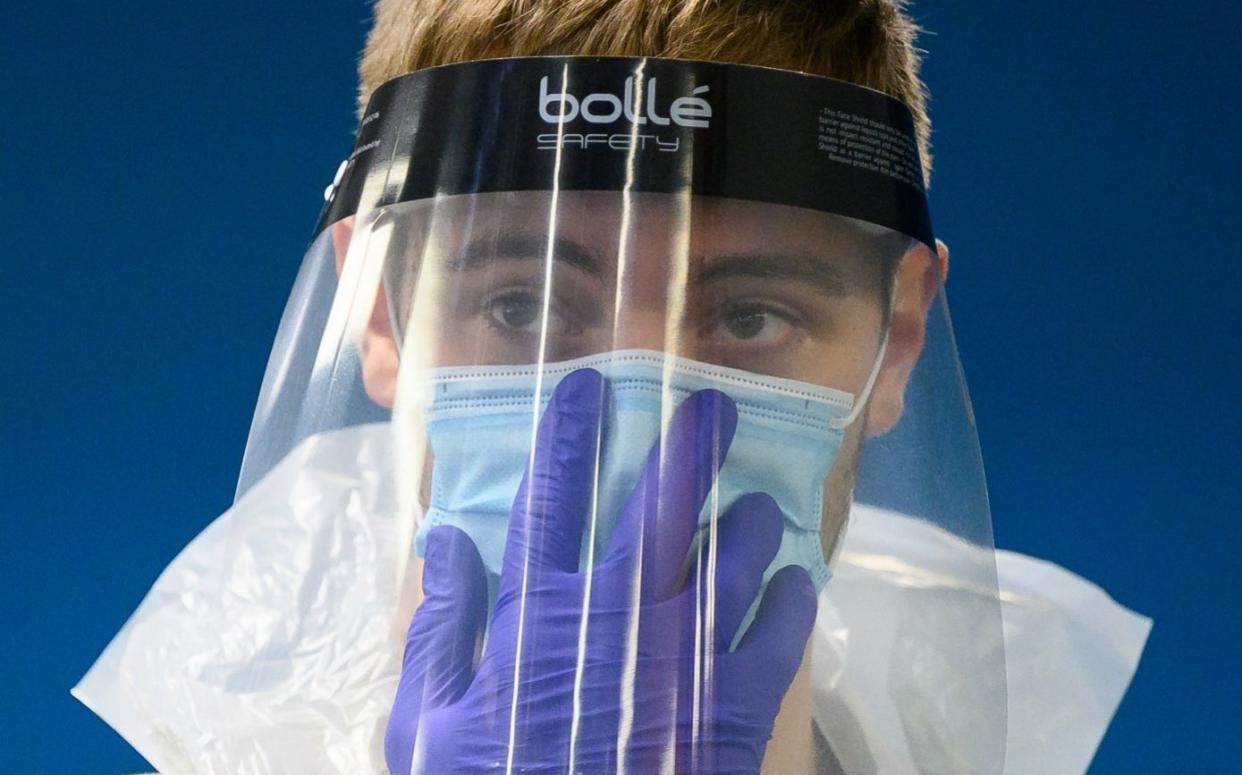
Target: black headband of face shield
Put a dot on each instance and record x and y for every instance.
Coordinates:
(636, 124)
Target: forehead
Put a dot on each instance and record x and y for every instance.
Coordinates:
(603, 216)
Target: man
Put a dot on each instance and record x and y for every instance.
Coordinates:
(638, 324)
(870, 43)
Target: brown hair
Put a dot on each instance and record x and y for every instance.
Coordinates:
(868, 42)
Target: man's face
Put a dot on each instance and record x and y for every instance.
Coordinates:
(526, 277)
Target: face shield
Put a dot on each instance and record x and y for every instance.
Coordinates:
(598, 359)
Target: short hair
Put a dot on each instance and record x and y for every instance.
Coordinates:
(867, 42)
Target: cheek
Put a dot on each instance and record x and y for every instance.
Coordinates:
(379, 368)
(844, 356)
(887, 399)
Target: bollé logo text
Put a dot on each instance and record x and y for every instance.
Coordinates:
(605, 108)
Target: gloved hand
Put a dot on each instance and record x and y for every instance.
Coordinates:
(628, 658)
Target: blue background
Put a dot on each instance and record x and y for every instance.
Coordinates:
(161, 165)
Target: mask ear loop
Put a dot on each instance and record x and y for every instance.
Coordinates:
(865, 395)
(869, 386)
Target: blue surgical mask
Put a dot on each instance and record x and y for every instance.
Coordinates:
(480, 421)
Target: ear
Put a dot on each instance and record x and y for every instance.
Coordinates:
(918, 276)
(378, 347)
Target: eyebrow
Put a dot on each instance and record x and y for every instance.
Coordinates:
(817, 271)
(524, 247)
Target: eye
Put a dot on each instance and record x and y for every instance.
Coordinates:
(517, 310)
(522, 312)
(754, 324)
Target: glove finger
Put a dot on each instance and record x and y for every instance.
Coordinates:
(777, 637)
(660, 517)
(554, 499)
(438, 664)
(446, 627)
(730, 564)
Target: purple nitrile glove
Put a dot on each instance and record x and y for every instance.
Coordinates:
(622, 666)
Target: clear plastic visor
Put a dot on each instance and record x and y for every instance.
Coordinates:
(614, 424)
(829, 335)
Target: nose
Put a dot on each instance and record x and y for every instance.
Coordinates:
(639, 328)
(651, 328)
